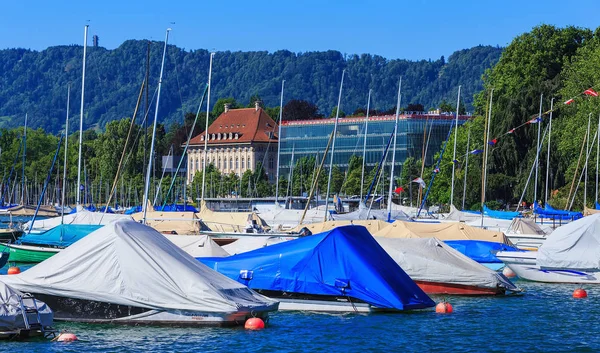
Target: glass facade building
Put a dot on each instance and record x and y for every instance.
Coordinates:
(308, 138)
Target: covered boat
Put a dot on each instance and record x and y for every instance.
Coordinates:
(439, 269)
(230, 222)
(128, 273)
(481, 251)
(366, 214)
(344, 269)
(197, 245)
(475, 219)
(442, 231)
(246, 244)
(526, 234)
(21, 315)
(510, 215)
(281, 218)
(372, 226)
(183, 223)
(81, 217)
(549, 212)
(570, 255)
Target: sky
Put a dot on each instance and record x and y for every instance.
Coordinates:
(415, 29)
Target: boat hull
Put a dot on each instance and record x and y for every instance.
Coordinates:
(88, 311)
(321, 303)
(524, 265)
(30, 253)
(526, 241)
(457, 289)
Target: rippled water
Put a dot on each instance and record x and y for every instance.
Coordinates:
(544, 319)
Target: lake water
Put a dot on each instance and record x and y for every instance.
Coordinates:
(544, 319)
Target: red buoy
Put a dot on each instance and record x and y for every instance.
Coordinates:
(66, 337)
(14, 270)
(508, 273)
(579, 293)
(443, 308)
(254, 323)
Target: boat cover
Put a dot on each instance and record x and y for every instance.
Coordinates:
(29, 210)
(590, 211)
(371, 225)
(364, 214)
(500, 214)
(552, 213)
(176, 208)
(443, 231)
(197, 245)
(229, 221)
(430, 260)
(573, 246)
(479, 250)
(172, 222)
(282, 218)
(11, 315)
(249, 243)
(345, 261)
(128, 263)
(525, 226)
(60, 236)
(133, 209)
(81, 217)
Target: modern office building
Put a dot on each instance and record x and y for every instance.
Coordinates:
(308, 138)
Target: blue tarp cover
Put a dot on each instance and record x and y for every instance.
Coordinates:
(344, 261)
(61, 235)
(500, 214)
(134, 209)
(552, 213)
(176, 208)
(479, 250)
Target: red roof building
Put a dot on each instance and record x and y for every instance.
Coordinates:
(237, 140)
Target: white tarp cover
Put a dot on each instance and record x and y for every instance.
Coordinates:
(364, 214)
(82, 216)
(573, 246)
(525, 226)
(197, 245)
(442, 230)
(474, 220)
(431, 260)
(128, 263)
(229, 221)
(249, 243)
(281, 218)
(11, 315)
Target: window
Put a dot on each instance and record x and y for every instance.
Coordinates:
(197, 162)
(271, 164)
(231, 163)
(243, 164)
(220, 163)
(237, 163)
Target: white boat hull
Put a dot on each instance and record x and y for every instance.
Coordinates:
(524, 265)
(526, 241)
(324, 306)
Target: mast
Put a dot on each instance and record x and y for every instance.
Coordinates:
(597, 156)
(335, 125)
(279, 144)
(548, 156)
(148, 172)
(206, 131)
(485, 152)
(62, 212)
(23, 200)
(362, 174)
(537, 161)
(466, 168)
(85, 35)
(586, 161)
(389, 206)
(454, 155)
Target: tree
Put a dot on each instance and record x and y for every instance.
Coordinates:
(219, 107)
(415, 107)
(299, 110)
(334, 112)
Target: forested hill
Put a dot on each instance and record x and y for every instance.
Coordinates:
(35, 82)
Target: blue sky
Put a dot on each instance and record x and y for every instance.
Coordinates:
(417, 29)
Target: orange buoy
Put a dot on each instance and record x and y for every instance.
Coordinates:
(66, 337)
(579, 293)
(443, 308)
(254, 323)
(508, 273)
(14, 270)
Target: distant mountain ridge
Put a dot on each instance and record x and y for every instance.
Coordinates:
(35, 82)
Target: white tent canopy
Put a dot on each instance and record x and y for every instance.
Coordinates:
(573, 246)
(128, 263)
(431, 260)
(82, 216)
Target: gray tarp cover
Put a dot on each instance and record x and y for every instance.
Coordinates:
(431, 260)
(11, 316)
(573, 246)
(128, 263)
(197, 245)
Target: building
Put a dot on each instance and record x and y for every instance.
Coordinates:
(306, 138)
(170, 163)
(238, 140)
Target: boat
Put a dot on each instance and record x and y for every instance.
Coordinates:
(482, 252)
(23, 316)
(128, 273)
(37, 247)
(570, 255)
(197, 245)
(526, 234)
(10, 234)
(342, 270)
(246, 244)
(439, 269)
(81, 217)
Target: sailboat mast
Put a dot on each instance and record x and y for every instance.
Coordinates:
(23, 200)
(204, 153)
(454, 155)
(85, 35)
(148, 172)
(586, 161)
(466, 168)
(485, 152)
(362, 174)
(597, 156)
(548, 154)
(279, 144)
(62, 202)
(537, 160)
(389, 203)
(335, 125)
